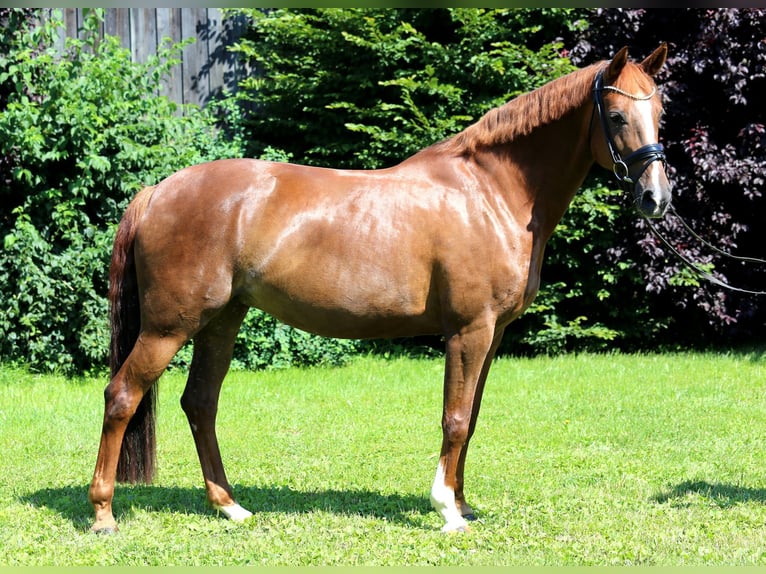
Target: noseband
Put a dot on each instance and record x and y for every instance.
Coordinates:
(644, 155)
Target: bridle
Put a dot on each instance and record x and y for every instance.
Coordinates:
(647, 154)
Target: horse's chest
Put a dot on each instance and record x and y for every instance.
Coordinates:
(502, 275)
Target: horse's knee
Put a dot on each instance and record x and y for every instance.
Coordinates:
(456, 428)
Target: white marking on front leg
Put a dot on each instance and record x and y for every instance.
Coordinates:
(235, 512)
(443, 500)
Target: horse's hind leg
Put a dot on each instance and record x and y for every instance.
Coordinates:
(147, 360)
(213, 349)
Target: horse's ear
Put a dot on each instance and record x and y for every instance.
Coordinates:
(616, 65)
(654, 61)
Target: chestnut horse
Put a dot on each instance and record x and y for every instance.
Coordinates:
(448, 242)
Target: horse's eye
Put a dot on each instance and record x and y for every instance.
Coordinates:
(617, 119)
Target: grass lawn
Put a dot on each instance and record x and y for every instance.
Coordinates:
(591, 459)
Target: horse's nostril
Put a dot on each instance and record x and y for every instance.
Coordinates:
(653, 204)
(648, 197)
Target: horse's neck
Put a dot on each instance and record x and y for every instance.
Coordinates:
(544, 169)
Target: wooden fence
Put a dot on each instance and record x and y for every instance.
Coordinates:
(206, 69)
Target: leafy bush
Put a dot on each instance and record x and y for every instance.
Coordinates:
(265, 342)
(79, 135)
(365, 88)
(713, 85)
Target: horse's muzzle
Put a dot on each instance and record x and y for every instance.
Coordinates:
(653, 203)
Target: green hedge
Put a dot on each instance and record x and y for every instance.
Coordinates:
(79, 135)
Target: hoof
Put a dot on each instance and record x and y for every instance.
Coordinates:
(456, 527)
(471, 517)
(105, 530)
(235, 512)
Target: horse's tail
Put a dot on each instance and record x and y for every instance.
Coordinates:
(138, 452)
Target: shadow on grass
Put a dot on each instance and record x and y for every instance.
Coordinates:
(71, 502)
(722, 495)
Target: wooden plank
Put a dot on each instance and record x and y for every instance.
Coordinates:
(235, 70)
(82, 14)
(143, 33)
(135, 34)
(117, 23)
(70, 22)
(169, 29)
(149, 17)
(194, 25)
(188, 30)
(216, 52)
(60, 41)
(169, 24)
(79, 18)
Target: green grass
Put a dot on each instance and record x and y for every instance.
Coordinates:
(613, 459)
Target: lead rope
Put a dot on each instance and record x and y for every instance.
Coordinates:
(696, 268)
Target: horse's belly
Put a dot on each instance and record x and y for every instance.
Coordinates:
(350, 297)
(353, 317)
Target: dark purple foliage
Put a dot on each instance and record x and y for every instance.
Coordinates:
(714, 89)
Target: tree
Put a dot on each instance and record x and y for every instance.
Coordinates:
(365, 88)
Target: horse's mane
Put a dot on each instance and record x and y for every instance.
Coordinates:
(521, 115)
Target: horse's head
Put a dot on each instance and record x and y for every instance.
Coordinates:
(629, 108)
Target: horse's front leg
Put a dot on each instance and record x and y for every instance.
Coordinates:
(467, 363)
(465, 509)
